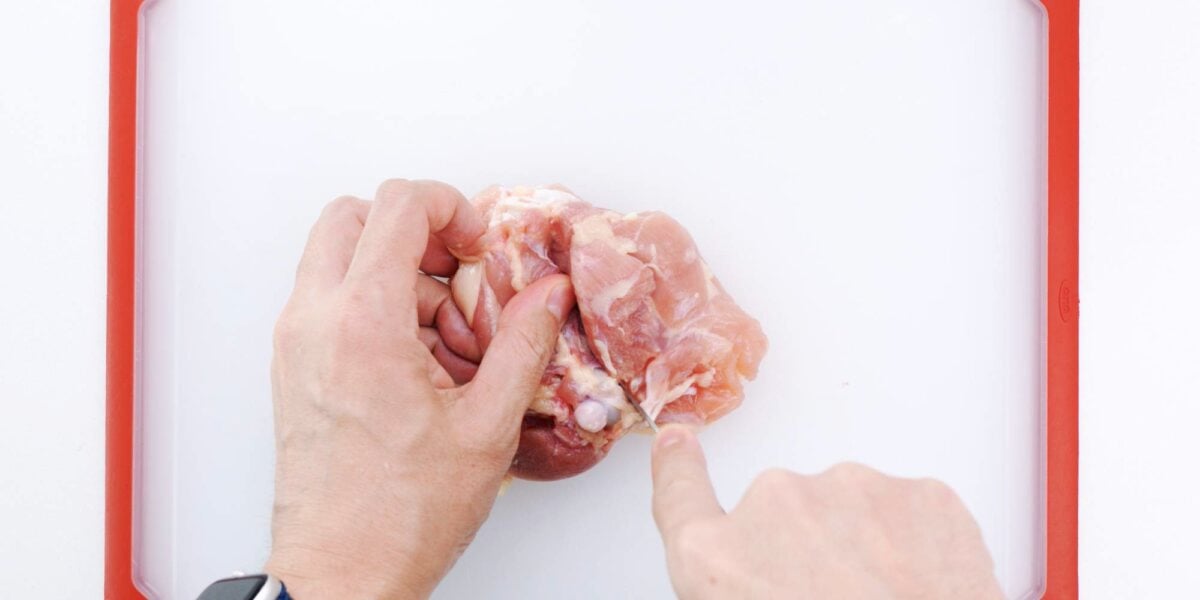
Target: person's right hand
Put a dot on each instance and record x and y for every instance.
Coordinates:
(850, 532)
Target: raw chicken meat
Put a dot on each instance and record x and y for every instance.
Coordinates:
(653, 324)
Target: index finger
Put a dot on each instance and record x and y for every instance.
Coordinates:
(398, 228)
(683, 491)
(331, 243)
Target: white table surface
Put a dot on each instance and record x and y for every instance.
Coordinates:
(1140, 372)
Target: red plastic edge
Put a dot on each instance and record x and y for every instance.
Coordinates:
(1062, 331)
(1062, 310)
(122, 294)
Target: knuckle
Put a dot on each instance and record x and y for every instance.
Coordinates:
(659, 511)
(287, 331)
(937, 493)
(852, 473)
(775, 480)
(350, 332)
(395, 190)
(341, 204)
(352, 326)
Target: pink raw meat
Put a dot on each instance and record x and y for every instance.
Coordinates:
(652, 322)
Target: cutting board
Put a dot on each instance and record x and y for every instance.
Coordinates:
(868, 179)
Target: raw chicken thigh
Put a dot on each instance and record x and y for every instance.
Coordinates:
(653, 324)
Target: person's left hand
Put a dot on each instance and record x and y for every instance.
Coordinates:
(385, 468)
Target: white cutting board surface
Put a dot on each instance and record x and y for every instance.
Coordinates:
(866, 178)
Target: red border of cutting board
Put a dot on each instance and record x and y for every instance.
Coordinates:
(1062, 317)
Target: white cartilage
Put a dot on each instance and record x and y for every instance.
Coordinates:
(591, 415)
(465, 288)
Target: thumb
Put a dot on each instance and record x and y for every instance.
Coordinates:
(683, 491)
(515, 359)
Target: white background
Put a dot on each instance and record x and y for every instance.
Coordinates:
(1141, 333)
(939, 97)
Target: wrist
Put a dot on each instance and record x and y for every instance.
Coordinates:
(319, 574)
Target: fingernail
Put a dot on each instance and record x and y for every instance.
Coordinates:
(671, 436)
(560, 300)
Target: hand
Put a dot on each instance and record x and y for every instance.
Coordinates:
(850, 532)
(385, 469)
